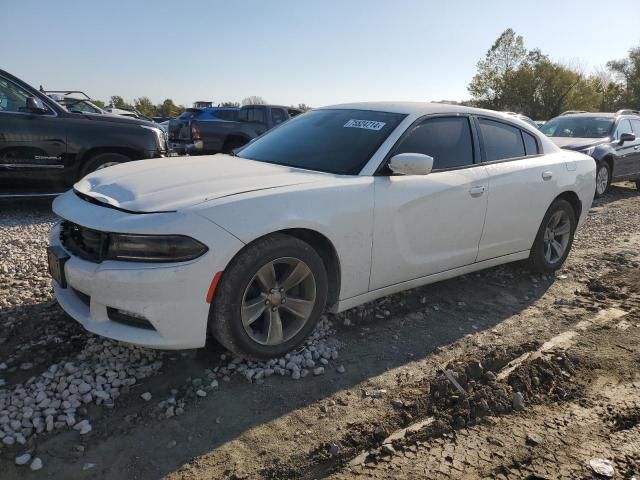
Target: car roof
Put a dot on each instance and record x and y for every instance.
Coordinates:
(418, 108)
(591, 114)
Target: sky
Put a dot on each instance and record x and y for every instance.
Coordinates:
(294, 51)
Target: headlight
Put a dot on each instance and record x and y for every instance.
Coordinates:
(153, 248)
(588, 151)
(161, 141)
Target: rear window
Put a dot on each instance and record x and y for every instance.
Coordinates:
(251, 114)
(501, 141)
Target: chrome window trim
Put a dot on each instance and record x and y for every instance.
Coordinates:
(24, 165)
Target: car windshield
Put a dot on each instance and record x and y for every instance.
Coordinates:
(578, 126)
(79, 105)
(336, 141)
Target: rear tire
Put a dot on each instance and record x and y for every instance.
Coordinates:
(232, 144)
(555, 238)
(101, 161)
(252, 313)
(603, 178)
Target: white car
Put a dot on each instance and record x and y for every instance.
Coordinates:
(335, 208)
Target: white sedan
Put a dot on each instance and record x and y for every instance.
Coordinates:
(332, 209)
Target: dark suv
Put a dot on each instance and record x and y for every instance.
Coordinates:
(612, 139)
(45, 148)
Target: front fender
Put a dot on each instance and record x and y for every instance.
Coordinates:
(342, 213)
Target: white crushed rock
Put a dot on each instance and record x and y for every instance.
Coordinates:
(99, 374)
(36, 464)
(318, 350)
(23, 459)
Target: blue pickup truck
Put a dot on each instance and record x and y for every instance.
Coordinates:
(212, 130)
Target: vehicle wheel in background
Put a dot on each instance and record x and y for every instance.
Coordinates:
(232, 143)
(269, 298)
(638, 184)
(101, 161)
(555, 237)
(603, 178)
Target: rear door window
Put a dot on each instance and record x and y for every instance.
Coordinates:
(501, 141)
(447, 139)
(635, 125)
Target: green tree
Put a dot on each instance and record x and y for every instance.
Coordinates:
(303, 106)
(169, 109)
(254, 100)
(145, 106)
(98, 103)
(510, 78)
(229, 104)
(504, 56)
(118, 102)
(627, 74)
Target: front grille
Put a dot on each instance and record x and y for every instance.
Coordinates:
(83, 242)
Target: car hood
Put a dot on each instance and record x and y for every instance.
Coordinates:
(169, 184)
(576, 143)
(112, 118)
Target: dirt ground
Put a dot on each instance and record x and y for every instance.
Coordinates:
(501, 374)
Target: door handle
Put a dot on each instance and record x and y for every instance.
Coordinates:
(547, 175)
(476, 191)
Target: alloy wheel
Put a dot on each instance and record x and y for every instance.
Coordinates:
(556, 236)
(602, 180)
(278, 301)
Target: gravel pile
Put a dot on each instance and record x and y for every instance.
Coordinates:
(23, 267)
(318, 350)
(99, 374)
(313, 358)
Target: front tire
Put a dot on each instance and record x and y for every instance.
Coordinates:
(555, 237)
(603, 178)
(101, 161)
(270, 298)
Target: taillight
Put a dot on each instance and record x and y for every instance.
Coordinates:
(195, 132)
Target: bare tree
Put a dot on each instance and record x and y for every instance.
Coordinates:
(254, 100)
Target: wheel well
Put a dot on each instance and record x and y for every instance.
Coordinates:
(327, 252)
(609, 162)
(574, 200)
(238, 140)
(127, 152)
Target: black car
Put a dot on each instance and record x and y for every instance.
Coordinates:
(612, 139)
(45, 148)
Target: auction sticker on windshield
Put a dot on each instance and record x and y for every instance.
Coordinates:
(366, 124)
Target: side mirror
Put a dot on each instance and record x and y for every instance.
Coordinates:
(35, 105)
(411, 164)
(627, 137)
